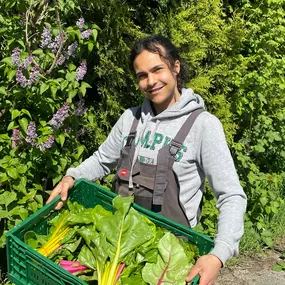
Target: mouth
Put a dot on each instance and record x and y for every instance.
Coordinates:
(155, 90)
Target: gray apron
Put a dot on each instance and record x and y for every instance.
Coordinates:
(156, 187)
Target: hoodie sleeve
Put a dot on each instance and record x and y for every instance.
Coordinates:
(104, 159)
(219, 168)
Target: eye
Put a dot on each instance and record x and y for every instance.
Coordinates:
(157, 69)
(141, 76)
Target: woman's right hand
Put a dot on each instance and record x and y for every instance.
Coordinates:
(62, 188)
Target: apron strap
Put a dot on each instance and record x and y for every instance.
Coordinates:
(166, 157)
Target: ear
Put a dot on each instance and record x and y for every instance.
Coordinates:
(176, 68)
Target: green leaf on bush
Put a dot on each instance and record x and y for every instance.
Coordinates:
(3, 177)
(7, 198)
(24, 111)
(4, 214)
(3, 90)
(11, 73)
(12, 125)
(70, 76)
(60, 139)
(44, 87)
(15, 114)
(72, 94)
(24, 124)
(12, 172)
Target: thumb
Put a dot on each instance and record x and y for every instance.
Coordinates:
(193, 272)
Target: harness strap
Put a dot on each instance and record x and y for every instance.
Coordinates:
(167, 155)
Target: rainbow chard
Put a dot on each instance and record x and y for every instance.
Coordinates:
(72, 266)
(115, 238)
(172, 265)
(59, 233)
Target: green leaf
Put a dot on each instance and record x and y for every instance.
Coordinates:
(60, 139)
(172, 265)
(71, 67)
(72, 94)
(22, 169)
(20, 211)
(53, 91)
(24, 124)
(90, 47)
(11, 73)
(3, 177)
(44, 87)
(70, 76)
(95, 34)
(12, 172)
(3, 90)
(24, 111)
(12, 125)
(15, 114)
(4, 214)
(7, 198)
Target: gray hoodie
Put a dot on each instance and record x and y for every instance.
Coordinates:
(204, 154)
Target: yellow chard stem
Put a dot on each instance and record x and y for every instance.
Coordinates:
(116, 259)
(99, 273)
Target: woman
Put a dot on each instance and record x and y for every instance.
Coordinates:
(164, 151)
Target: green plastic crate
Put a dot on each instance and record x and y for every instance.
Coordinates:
(27, 267)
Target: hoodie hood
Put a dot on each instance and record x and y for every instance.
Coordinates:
(187, 103)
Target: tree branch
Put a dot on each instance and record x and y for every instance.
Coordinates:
(61, 34)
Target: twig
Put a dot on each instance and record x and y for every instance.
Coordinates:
(61, 36)
(27, 39)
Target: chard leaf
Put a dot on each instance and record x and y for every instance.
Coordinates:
(87, 258)
(137, 230)
(172, 265)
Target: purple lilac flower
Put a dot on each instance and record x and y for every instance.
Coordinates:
(81, 70)
(80, 109)
(31, 133)
(34, 74)
(61, 60)
(54, 46)
(27, 61)
(80, 23)
(86, 34)
(71, 48)
(48, 144)
(45, 37)
(60, 116)
(16, 138)
(21, 79)
(16, 57)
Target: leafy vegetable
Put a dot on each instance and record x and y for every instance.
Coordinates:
(172, 265)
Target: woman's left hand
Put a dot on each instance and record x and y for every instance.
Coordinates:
(208, 267)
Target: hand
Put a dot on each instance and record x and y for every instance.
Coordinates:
(62, 188)
(208, 267)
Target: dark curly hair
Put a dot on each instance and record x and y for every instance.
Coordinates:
(152, 44)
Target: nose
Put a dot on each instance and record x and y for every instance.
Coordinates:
(151, 80)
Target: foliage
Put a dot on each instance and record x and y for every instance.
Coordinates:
(43, 117)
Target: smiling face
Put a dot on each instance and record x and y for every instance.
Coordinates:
(156, 80)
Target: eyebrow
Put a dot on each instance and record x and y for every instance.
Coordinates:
(152, 69)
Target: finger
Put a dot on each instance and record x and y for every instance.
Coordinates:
(54, 193)
(59, 205)
(64, 190)
(193, 272)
